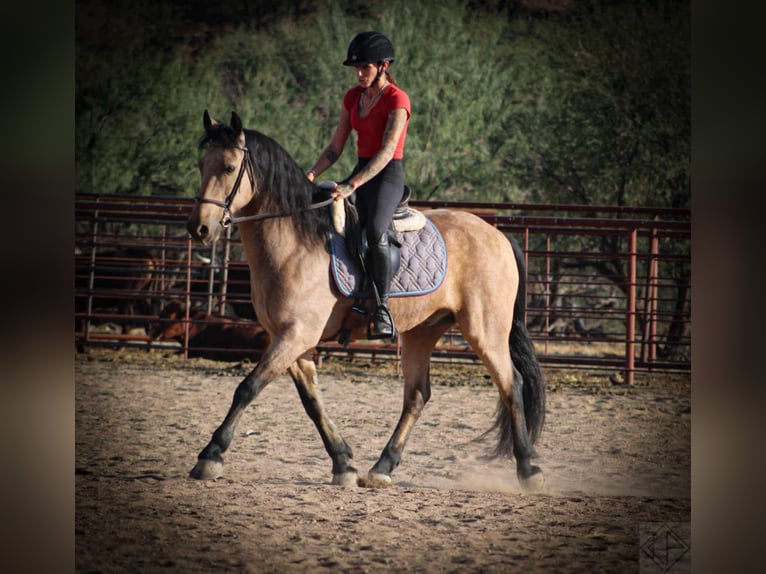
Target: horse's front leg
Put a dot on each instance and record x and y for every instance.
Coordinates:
(274, 362)
(303, 373)
(416, 354)
(209, 461)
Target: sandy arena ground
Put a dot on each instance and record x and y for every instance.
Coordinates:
(616, 459)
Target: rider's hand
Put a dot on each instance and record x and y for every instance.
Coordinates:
(342, 191)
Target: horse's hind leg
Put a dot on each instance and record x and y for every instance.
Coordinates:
(303, 373)
(489, 337)
(530, 476)
(511, 421)
(416, 354)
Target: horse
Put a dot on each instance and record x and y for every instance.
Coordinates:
(248, 179)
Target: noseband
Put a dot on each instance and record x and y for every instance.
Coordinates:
(247, 165)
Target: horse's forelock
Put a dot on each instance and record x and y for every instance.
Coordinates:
(219, 134)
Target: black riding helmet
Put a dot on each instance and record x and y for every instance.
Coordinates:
(369, 48)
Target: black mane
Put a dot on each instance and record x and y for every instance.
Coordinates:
(280, 180)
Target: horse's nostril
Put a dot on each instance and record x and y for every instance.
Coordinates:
(197, 231)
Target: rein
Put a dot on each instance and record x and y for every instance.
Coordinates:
(227, 219)
(262, 216)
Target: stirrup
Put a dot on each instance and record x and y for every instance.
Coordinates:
(373, 332)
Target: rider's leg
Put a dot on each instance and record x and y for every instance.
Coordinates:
(382, 272)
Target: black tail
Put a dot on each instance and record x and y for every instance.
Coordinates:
(526, 363)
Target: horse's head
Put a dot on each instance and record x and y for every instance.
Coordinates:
(228, 180)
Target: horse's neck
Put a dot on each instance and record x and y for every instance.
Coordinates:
(273, 246)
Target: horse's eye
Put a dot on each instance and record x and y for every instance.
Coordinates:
(230, 169)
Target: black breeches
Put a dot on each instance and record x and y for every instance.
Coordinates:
(377, 199)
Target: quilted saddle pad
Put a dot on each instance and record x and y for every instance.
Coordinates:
(422, 269)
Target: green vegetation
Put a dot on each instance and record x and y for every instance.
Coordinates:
(579, 101)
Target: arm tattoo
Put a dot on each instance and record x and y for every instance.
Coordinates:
(331, 156)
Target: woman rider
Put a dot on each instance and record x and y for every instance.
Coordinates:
(379, 111)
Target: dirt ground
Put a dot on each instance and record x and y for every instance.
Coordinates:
(616, 459)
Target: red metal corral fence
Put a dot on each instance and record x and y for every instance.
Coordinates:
(607, 287)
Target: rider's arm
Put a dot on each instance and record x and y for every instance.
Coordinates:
(332, 152)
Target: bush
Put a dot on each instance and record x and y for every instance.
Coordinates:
(518, 106)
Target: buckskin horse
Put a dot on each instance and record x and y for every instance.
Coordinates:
(248, 179)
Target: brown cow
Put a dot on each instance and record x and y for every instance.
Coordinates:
(211, 336)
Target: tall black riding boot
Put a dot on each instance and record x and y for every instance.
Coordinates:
(382, 326)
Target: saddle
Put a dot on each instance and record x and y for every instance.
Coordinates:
(351, 238)
(405, 218)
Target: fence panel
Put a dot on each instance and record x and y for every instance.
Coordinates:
(607, 287)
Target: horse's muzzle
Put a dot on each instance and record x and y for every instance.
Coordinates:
(200, 232)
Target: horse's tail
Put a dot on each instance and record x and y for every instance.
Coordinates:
(526, 364)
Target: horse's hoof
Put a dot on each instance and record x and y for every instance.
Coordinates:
(377, 480)
(534, 482)
(207, 469)
(348, 479)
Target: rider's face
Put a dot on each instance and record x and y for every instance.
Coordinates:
(366, 74)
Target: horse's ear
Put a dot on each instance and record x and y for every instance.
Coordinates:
(236, 123)
(207, 121)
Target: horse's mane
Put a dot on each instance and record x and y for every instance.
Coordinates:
(281, 181)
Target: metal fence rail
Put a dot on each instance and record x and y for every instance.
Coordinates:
(607, 287)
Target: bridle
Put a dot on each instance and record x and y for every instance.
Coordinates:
(227, 219)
